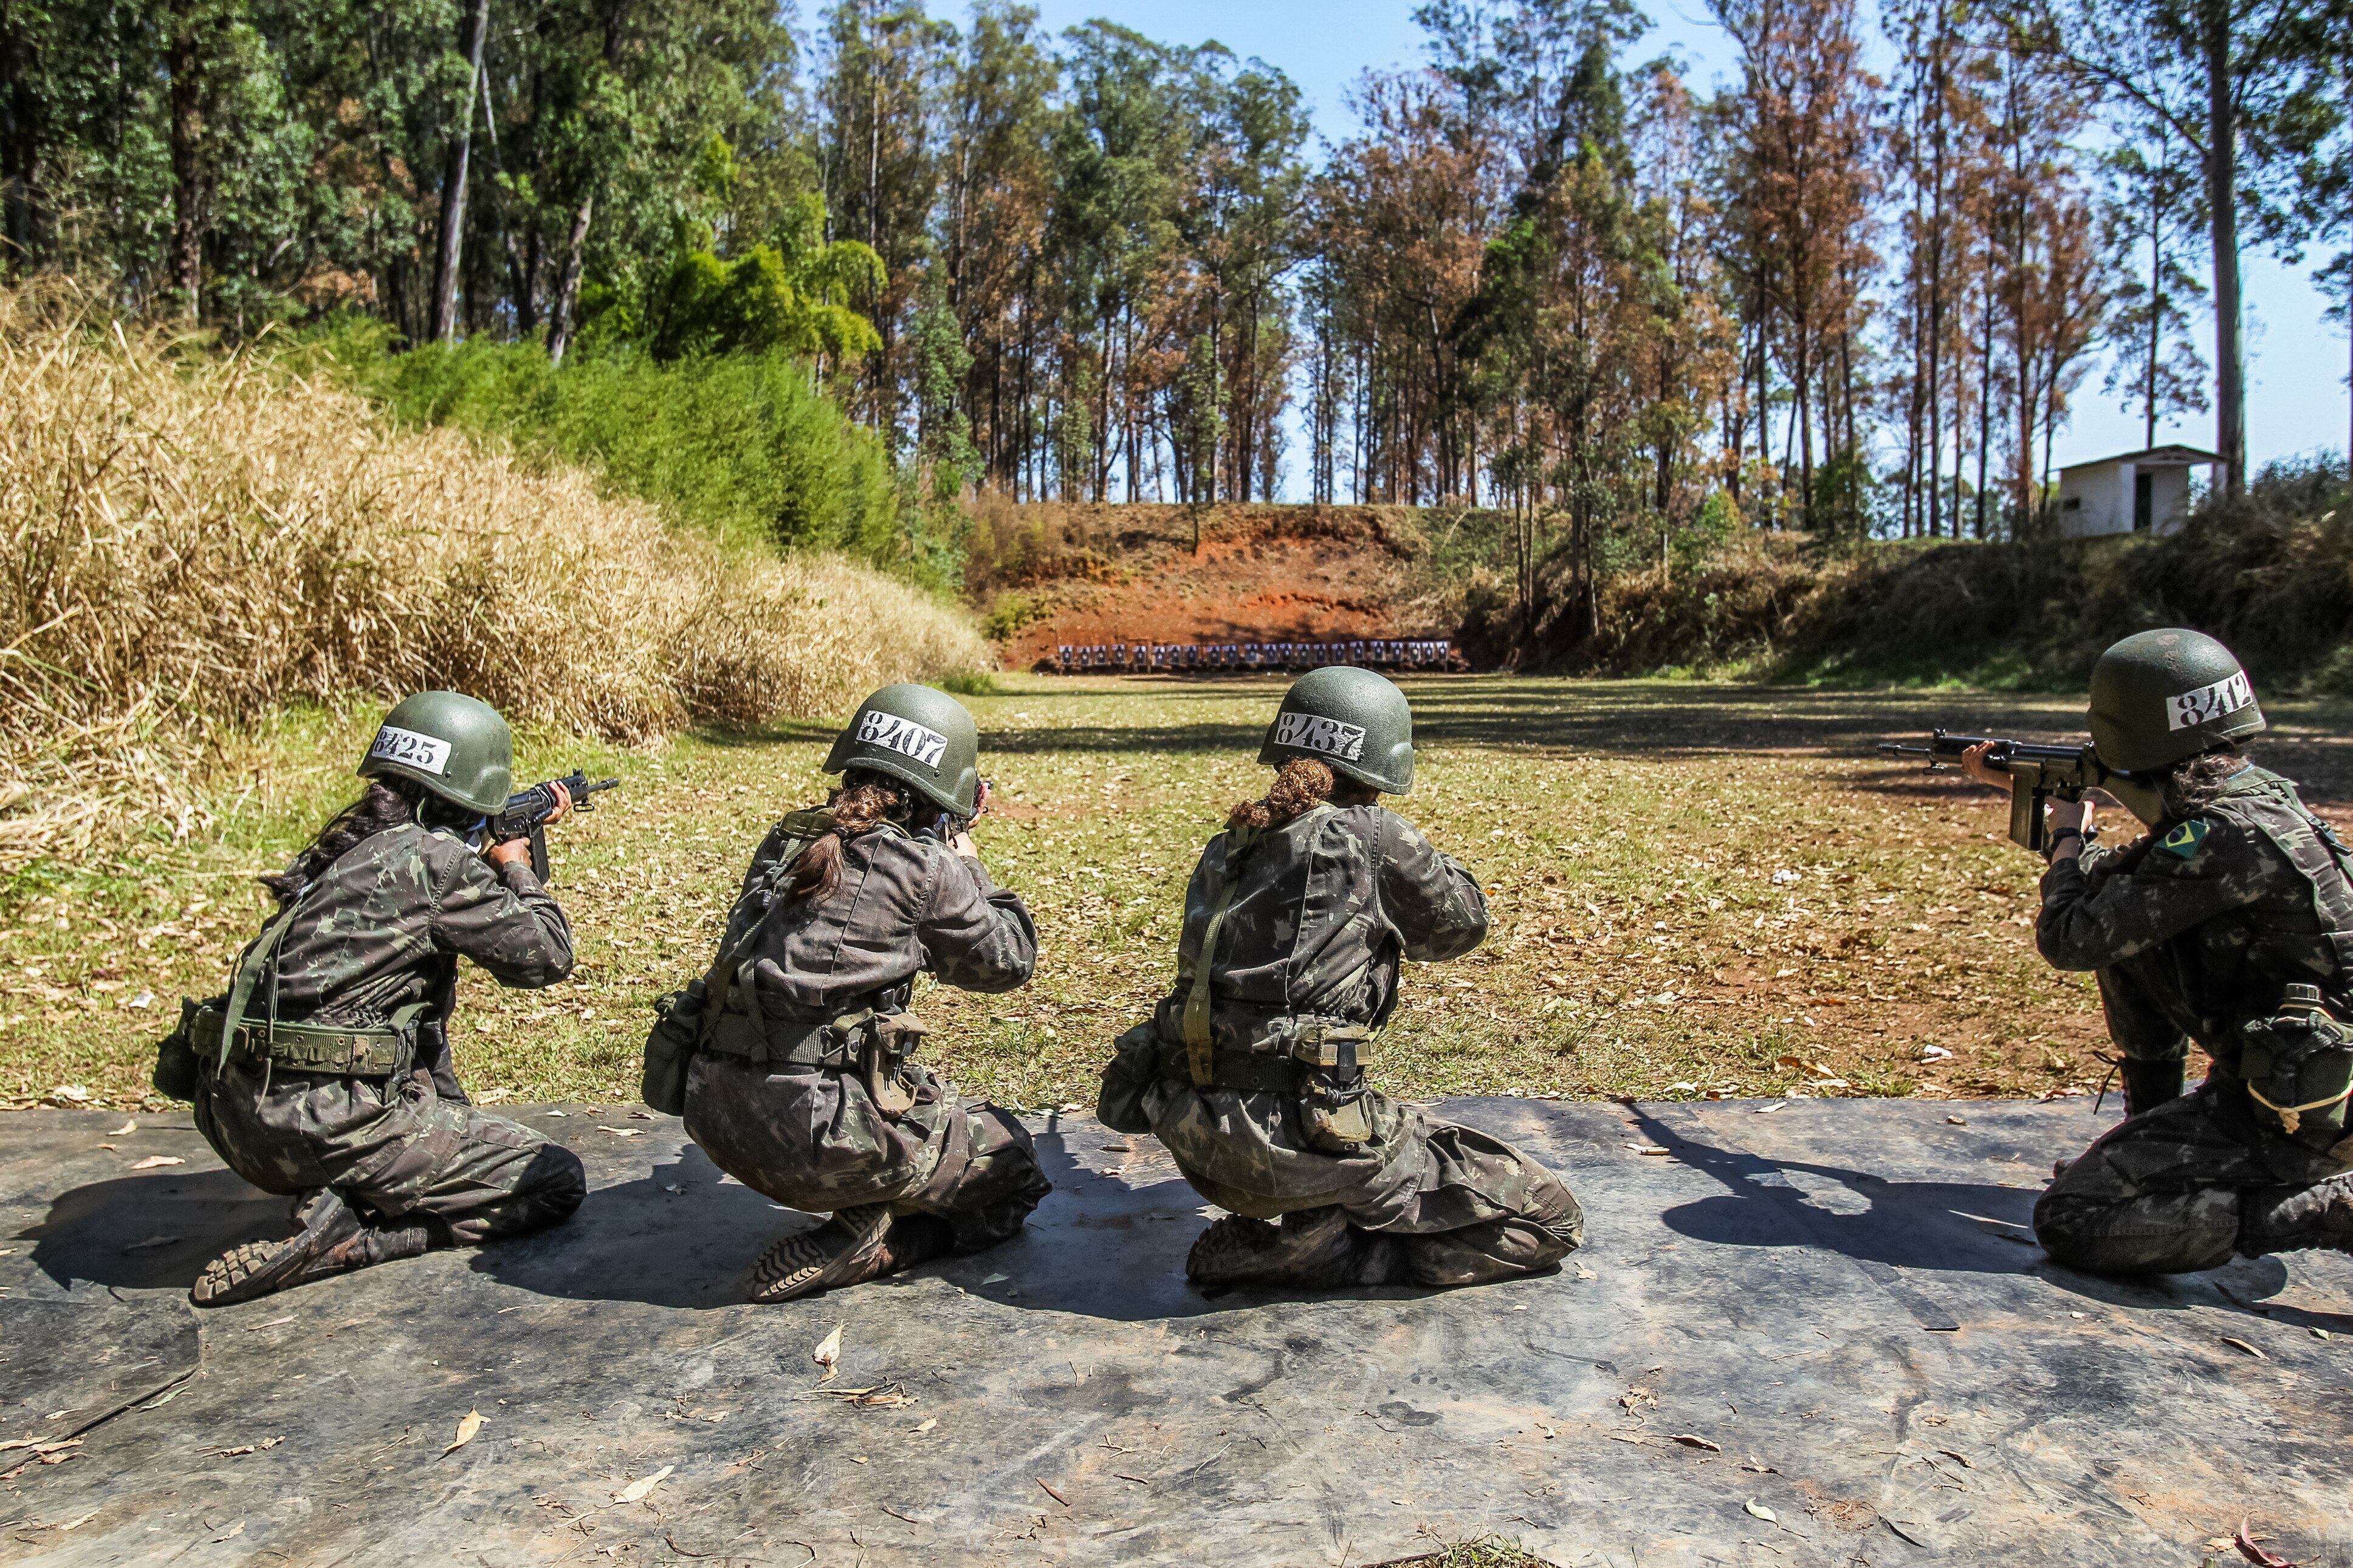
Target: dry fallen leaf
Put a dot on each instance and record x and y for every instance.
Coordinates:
(1761, 1511)
(929, 1422)
(1957, 1121)
(2254, 1553)
(1647, 1148)
(828, 1353)
(624, 1132)
(635, 1490)
(2243, 1345)
(472, 1424)
(1693, 1440)
(1050, 1492)
(131, 1126)
(155, 1161)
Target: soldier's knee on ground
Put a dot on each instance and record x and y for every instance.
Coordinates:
(553, 1186)
(2100, 1233)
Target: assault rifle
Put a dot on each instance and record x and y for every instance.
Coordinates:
(2037, 772)
(526, 813)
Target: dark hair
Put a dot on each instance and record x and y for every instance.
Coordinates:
(1299, 786)
(864, 800)
(384, 806)
(2191, 785)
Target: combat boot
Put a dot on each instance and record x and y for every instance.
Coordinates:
(1314, 1249)
(2150, 1084)
(2288, 1219)
(333, 1239)
(854, 1246)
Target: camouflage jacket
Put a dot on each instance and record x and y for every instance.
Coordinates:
(2204, 921)
(1325, 907)
(907, 906)
(385, 924)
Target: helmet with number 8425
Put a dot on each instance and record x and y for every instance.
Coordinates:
(456, 746)
(2162, 697)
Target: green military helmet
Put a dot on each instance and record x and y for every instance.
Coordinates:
(1352, 720)
(2161, 697)
(919, 736)
(456, 746)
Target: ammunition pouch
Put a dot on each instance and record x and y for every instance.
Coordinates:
(1134, 1065)
(378, 1051)
(2298, 1071)
(178, 1071)
(669, 1048)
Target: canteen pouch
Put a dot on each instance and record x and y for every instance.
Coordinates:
(177, 1071)
(669, 1048)
(2298, 1069)
(1135, 1064)
(1333, 1118)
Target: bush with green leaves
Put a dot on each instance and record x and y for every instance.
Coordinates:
(748, 444)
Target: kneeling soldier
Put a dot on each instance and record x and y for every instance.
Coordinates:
(799, 1083)
(324, 1074)
(1252, 1070)
(2229, 923)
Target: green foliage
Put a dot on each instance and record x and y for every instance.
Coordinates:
(746, 444)
(778, 295)
(972, 683)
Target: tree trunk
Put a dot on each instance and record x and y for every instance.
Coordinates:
(567, 289)
(2222, 202)
(191, 192)
(442, 327)
(20, 147)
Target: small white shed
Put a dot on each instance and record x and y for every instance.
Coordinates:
(2134, 492)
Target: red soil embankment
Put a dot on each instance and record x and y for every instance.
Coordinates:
(1080, 574)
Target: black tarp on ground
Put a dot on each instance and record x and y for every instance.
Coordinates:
(1836, 1297)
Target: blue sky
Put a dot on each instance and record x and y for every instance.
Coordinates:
(2296, 399)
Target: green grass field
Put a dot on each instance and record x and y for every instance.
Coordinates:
(1698, 889)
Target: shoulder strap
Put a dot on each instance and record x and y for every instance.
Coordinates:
(261, 957)
(725, 969)
(1228, 876)
(2312, 847)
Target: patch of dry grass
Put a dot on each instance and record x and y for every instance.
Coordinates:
(1697, 889)
(193, 541)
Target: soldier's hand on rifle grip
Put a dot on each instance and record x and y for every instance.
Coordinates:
(508, 852)
(2070, 823)
(1974, 763)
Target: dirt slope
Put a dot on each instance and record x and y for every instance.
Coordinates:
(1139, 573)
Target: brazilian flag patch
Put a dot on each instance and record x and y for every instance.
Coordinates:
(2185, 838)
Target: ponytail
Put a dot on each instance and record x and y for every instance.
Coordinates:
(382, 807)
(1299, 786)
(863, 802)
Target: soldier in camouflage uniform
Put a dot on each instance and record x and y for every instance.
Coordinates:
(1252, 1069)
(337, 1087)
(800, 1085)
(2230, 924)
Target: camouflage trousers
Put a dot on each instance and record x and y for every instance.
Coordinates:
(397, 1148)
(1465, 1208)
(814, 1140)
(2191, 1182)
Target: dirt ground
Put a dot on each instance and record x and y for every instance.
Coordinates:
(1139, 573)
(1698, 890)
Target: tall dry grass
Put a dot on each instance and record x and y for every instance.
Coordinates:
(192, 540)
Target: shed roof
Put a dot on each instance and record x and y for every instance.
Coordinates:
(2153, 457)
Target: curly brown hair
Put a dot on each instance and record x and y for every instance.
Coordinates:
(863, 803)
(1300, 784)
(2192, 785)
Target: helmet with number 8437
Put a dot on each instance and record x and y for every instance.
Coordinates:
(2162, 697)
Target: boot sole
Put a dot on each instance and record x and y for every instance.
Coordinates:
(802, 1265)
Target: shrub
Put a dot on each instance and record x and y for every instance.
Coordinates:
(747, 445)
(188, 546)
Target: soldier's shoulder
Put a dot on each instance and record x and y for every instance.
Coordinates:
(2215, 840)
